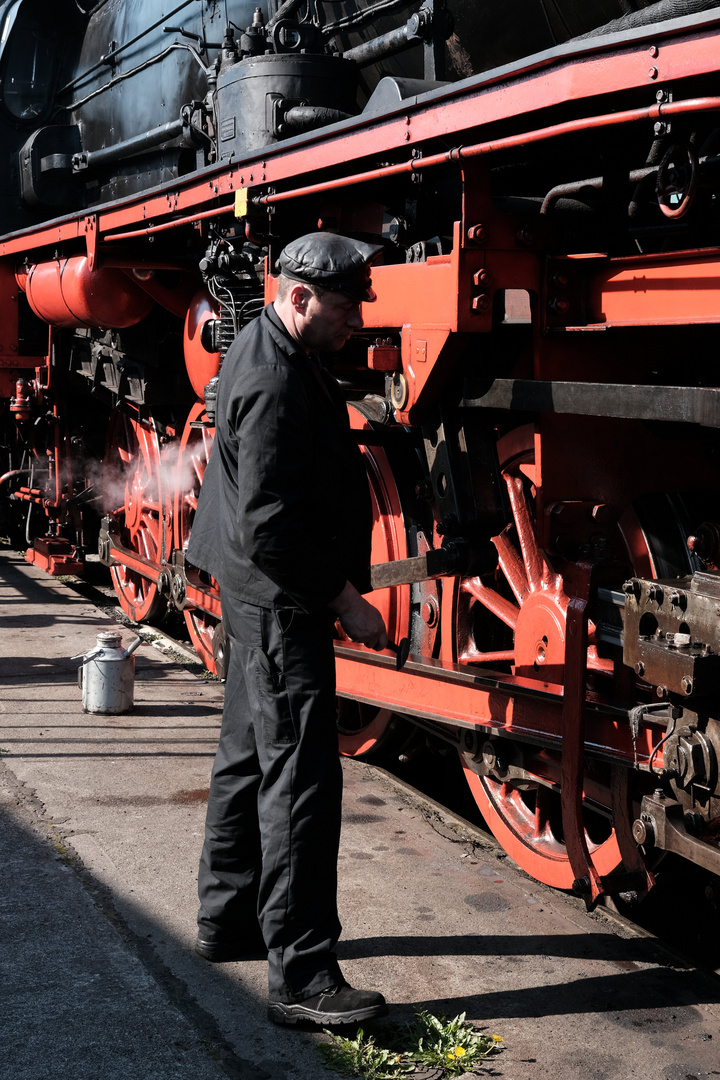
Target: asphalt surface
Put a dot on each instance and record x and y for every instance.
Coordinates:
(102, 821)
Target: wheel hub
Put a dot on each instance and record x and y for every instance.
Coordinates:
(540, 636)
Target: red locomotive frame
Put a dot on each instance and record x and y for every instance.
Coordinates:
(584, 746)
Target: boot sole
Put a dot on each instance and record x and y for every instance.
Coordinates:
(280, 1013)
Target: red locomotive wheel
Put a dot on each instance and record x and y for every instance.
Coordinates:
(518, 621)
(362, 729)
(526, 822)
(132, 492)
(194, 454)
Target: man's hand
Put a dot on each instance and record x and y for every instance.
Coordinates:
(360, 620)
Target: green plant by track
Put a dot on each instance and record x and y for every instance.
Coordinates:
(454, 1046)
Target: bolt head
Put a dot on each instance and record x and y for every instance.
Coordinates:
(640, 832)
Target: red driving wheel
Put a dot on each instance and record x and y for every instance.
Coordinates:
(515, 619)
(193, 456)
(133, 497)
(363, 729)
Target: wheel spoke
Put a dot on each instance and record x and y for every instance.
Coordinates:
(474, 656)
(492, 601)
(534, 563)
(133, 453)
(512, 566)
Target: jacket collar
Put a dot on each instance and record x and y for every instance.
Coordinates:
(280, 335)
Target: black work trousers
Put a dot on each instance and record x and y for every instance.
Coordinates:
(273, 819)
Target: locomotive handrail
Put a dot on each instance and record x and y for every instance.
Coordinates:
(658, 111)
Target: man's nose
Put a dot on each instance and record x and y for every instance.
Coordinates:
(355, 318)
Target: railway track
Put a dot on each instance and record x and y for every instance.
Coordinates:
(681, 914)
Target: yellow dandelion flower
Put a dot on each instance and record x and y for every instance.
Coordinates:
(497, 1038)
(459, 1051)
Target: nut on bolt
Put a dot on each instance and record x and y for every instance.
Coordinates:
(477, 233)
(687, 684)
(483, 278)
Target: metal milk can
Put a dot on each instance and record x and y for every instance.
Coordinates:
(107, 675)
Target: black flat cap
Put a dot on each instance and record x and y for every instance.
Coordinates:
(332, 262)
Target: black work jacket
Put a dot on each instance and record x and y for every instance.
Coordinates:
(284, 516)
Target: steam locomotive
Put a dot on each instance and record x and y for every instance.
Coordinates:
(534, 391)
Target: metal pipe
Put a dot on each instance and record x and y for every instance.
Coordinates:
(389, 44)
(103, 62)
(283, 12)
(89, 159)
(510, 142)
(595, 182)
(8, 476)
(307, 117)
(172, 224)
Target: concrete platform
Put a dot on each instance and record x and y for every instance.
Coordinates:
(102, 821)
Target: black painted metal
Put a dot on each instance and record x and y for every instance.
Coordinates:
(677, 404)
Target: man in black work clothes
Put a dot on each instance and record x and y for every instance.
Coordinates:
(283, 524)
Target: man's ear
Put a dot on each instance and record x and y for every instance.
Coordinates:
(299, 297)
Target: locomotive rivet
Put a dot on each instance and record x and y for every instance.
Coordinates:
(660, 128)
(407, 136)
(653, 73)
(653, 50)
(559, 304)
(661, 691)
(639, 668)
(687, 684)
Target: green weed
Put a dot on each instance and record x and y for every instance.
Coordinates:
(429, 1042)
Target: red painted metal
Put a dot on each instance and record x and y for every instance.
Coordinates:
(201, 365)
(55, 556)
(67, 292)
(193, 455)
(516, 654)
(363, 730)
(136, 499)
